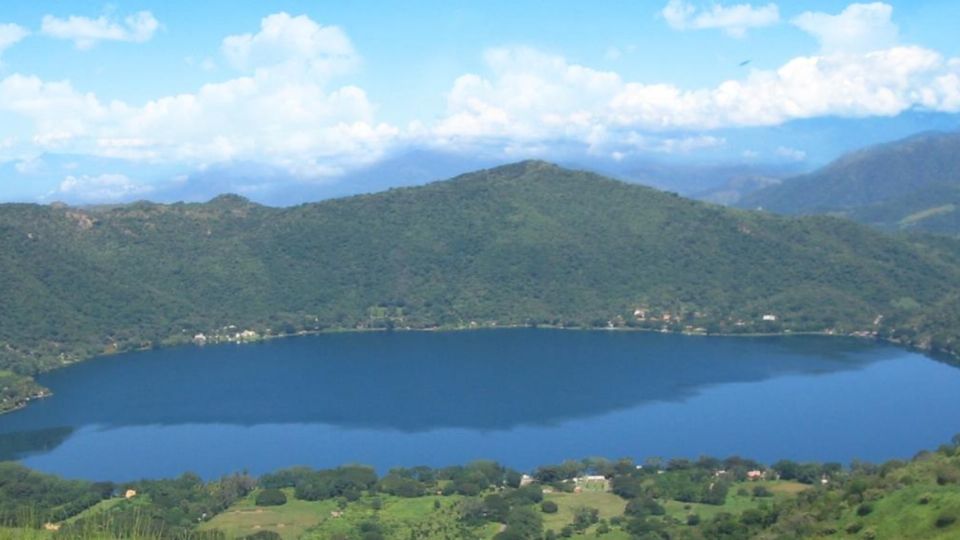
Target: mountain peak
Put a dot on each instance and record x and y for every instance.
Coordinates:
(230, 199)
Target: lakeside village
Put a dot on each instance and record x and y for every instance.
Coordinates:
(644, 318)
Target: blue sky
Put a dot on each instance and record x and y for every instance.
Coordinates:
(113, 101)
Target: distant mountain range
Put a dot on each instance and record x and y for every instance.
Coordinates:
(730, 164)
(911, 184)
(524, 244)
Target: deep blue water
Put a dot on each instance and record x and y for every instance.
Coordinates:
(522, 397)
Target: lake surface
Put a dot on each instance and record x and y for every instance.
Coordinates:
(522, 397)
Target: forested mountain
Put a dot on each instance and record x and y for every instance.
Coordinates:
(529, 243)
(909, 184)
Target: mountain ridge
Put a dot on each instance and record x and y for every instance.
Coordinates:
(910, 184)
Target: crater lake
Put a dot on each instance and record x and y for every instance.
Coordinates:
(524, 397)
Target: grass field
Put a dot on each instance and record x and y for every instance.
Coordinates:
(735, 503)
(397, 517)
(608, 504)
(290, 520)
(101, 506)
(24, 534)
(909, 514)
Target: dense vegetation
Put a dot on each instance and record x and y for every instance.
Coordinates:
(708, 498)
(913, 184)
(525, 244)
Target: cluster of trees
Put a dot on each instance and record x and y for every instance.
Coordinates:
(857, 501)
(164, 508)
(311, 485)
(29, 498)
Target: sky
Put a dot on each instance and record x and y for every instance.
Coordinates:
(107, 102)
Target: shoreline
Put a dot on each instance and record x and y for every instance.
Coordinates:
(943, 356)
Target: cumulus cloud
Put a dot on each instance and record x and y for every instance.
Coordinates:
(10, 34)
(735, 20)
(284, 113)
(100, 188)
(86, 32)
(858, 28)
(297, 42)
(530, 95)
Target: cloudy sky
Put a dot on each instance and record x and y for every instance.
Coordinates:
(106, 102)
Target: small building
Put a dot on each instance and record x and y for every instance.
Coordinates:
(200, 339)
(754, 475)
(526, 480)
(129, 494)
(770, 317)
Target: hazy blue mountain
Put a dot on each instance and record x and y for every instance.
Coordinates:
(912, 183)
(740, 161)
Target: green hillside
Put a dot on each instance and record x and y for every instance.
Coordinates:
(529, 243)
(596, 498)
(912, 184)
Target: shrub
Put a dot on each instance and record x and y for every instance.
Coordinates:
(642, 507)
(864, 509)
(945, 520)
(947, 475)
(854, 528)
(549, 507)
(693, 520)
(271, 497)
(761, 491)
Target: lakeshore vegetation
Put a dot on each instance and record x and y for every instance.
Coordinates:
(523, 244)
(707, 498)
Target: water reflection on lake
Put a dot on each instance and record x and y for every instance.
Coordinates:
(523, 397)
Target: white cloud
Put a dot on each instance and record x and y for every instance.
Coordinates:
(100, 188)
(669, 145)
(735, 20)
(858, 28)
(791, 154)
(285, 113)
(86, 32)
(530, 96)
(10, 34)
(295, 42)
(29, 166)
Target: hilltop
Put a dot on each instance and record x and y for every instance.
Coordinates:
(523, 244)
(911, 184)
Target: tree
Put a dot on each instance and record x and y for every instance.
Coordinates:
(584, 517)
(496, 508)
(643, 507)
(549, 507)
(524, 522)
(271, 497)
